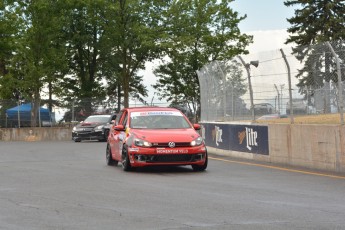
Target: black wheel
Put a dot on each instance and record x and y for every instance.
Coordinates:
(108, 157)
(77, 140)
(203, 167)
(126, 165)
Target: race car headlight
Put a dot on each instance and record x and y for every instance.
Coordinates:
(196, 142)
(74, 128)
(142, 143)
(100, 127)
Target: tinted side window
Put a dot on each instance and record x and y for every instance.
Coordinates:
(124, 120)
(118, 117)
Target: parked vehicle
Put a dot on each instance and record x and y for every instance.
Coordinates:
(94, 127)
(299, 106)
(263, 108)
(145, 136)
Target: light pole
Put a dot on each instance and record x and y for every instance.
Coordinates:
(247, 66)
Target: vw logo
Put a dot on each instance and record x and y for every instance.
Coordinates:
(171, 144)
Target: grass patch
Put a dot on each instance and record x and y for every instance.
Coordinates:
(306, 119)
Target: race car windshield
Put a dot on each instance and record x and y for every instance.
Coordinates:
(98, 119)
(148, 121)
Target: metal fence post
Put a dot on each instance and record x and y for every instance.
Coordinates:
(224, 91)
(72, 117)
(39, 114)
(278, 99)
(290, 90)
(247, 67)
(208, 93)
(18, 113)
(340, 88)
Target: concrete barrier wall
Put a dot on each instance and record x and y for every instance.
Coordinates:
(36, 134)
(311, 146)
(320, 147)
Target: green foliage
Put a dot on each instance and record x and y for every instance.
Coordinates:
(76, 49)
(136, 32)
(10, 29)
(315, 21)
(197, 32)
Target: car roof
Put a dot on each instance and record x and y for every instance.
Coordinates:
(153, 108)
(100, 115)
(263, 104)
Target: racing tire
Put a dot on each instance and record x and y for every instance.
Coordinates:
(106, 134)
(199, 168)
(108, 157)
(126, 164)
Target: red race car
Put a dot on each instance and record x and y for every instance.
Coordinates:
(144, 136)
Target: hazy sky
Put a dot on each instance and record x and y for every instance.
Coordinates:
(263, 14)
(266, 21)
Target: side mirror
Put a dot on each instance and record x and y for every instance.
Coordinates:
(197, 126)
(119, 128)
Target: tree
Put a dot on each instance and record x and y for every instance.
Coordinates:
(11, 28)
(314, 22)
(83, 33)
(78, 49)
(137, 27)
(29, 66)
(198, 32)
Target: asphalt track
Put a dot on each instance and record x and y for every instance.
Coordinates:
(67, 185)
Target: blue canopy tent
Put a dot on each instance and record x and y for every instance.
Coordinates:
(23, 112)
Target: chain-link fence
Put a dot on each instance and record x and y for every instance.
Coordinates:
(18, 114)
(275, 83)
(279, 83)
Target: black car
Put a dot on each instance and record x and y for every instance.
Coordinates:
(263, 108)
(94, 127)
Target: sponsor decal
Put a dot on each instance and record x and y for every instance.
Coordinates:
(133, 149)
(203, 132)
(242, 138)
(172, 151)
(217, 135)
(127, 131)
(251, 137)
(156, 113)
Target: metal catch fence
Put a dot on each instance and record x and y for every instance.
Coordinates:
(279, 83)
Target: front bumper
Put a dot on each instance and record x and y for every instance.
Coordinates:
(88, 135)
(140, 157)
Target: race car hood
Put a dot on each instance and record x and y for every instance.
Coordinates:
(165, 135)
(89, 124)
